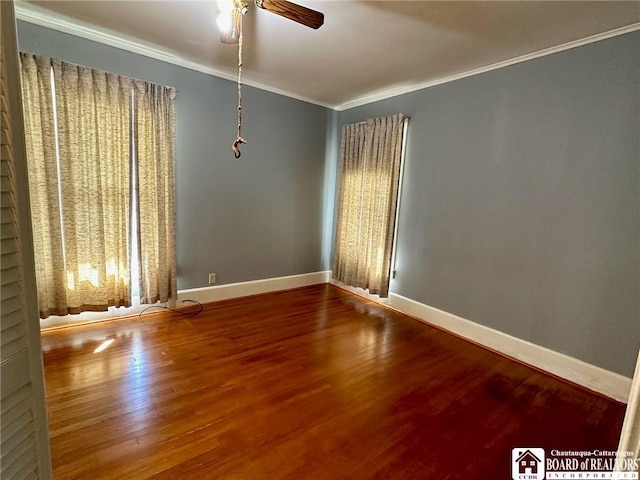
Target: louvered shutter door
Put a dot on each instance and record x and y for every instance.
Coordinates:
(18, 450)
(21, 448)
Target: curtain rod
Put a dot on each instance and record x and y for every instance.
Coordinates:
(100, 70)
(404, 117)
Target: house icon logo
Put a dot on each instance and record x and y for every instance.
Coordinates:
(527, 463)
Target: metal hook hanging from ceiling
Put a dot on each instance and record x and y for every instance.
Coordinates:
(232, 33)
(235, 34)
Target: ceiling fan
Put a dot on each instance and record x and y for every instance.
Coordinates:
(231, 13)
(230, 23)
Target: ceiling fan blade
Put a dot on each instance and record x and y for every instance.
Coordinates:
(292, 11)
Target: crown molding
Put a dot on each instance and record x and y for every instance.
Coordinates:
(400, 90)
(44, 18)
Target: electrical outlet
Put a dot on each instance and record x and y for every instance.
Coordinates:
(212, 278)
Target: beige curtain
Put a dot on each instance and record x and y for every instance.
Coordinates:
(85, 242)
(368, 195)
(94, 116)
(155, 147)
(40, 139)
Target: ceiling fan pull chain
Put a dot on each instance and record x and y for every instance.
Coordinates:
(239, 139)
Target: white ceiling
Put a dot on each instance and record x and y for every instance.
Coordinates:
(365, 50)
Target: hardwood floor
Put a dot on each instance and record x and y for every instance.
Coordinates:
(312, 383)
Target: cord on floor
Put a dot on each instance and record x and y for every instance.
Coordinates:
(191, 314)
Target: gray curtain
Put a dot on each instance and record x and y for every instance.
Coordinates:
(80, 197)
(155, 147)
(371, 157)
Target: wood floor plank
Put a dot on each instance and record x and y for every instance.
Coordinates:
(312, 383)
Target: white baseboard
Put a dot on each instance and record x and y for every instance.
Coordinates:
(242, 289)
(594, 378)
(589, 376)
(83, 318)
(358, 291)
(597, 379)
(202, 295)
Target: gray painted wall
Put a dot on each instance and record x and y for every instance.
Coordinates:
(252, 218)
(520, 205)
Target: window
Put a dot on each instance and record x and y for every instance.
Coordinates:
(368, 196)
(101, 159)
